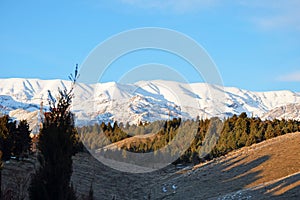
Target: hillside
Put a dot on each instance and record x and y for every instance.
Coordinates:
(268, 169)
(128, 141)
(143, 101)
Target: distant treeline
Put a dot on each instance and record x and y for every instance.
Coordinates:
(211, 137)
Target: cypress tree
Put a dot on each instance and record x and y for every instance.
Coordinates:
(57, 145)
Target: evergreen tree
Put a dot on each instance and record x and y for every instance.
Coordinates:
(22, 140)
(57, 145)
(269, 131)
(6, 140)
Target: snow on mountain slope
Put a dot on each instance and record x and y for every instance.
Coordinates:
(289, 111)
(142, 101)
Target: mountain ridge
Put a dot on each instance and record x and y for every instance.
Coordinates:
(145, 100)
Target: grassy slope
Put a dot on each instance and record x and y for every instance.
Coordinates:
(268, 169)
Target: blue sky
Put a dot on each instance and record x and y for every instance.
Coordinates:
(255, 44)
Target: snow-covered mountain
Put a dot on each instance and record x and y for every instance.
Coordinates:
(143, 101)
(284, 112)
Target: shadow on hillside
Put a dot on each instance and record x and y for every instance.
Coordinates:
(109, 183)
(215, 181)
(287, 188)
(229, 179)
(212, 180)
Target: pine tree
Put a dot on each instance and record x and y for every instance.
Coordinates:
(22, 140)
(57, 145)
(6, 140)
(269, 131)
